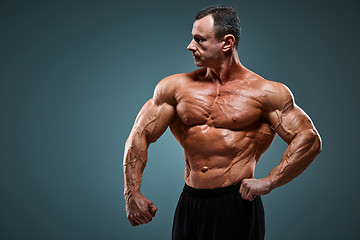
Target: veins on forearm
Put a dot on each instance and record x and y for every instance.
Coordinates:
(134, 163)
(135, 155)
(148, 126)
(297, 157)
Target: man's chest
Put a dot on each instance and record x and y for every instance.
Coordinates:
(231, 107)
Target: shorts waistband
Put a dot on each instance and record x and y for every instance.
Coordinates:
(210, 192)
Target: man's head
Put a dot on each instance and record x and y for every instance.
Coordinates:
(216, 32)
(226, 21)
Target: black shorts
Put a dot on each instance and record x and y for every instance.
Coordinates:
(217, 214)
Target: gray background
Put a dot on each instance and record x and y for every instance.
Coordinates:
(74, 75)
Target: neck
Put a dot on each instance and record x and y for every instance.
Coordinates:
(228, 69)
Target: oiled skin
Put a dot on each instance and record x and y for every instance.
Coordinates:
(225, 117)
(221, 128)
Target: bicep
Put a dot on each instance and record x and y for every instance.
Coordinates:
(153, 119)
(157, 113)
(290, 121)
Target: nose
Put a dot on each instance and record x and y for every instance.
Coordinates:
(191, 47)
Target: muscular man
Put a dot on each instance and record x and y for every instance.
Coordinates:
(225, 117)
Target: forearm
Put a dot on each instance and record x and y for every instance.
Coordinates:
(297, 157)
(150, 124)
(135, 158)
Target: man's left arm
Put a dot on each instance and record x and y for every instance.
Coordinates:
(295, 127)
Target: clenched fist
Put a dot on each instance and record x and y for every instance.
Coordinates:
(252, 187)
(139, 209)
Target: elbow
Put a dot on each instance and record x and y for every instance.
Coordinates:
(315, 138)
(312, 139)
(318, 142)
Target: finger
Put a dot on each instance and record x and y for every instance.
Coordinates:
(138, 219)
(243, 186)
(152, 209)
(142, 220)
(250, 196)
(132, 222)
(244, 193)
(147, 216)
(244, 196)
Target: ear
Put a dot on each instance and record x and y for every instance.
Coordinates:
(228, 42)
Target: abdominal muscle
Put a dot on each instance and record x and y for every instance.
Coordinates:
(217, 157)
(216, 177)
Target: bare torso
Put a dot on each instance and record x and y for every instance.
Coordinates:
(221, 128)
(225, 117)
(224, 128)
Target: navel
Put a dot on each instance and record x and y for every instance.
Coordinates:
(204, 169)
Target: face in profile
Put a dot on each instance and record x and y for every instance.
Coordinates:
(206, 49)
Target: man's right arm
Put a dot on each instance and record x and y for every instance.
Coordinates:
(153, 119)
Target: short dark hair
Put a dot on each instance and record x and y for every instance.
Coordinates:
(226, 21)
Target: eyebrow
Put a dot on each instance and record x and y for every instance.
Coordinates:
(198, 36)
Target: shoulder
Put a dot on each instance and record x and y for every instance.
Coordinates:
(276, 95)
(166, 89)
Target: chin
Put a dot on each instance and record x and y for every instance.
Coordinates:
(199, 63)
